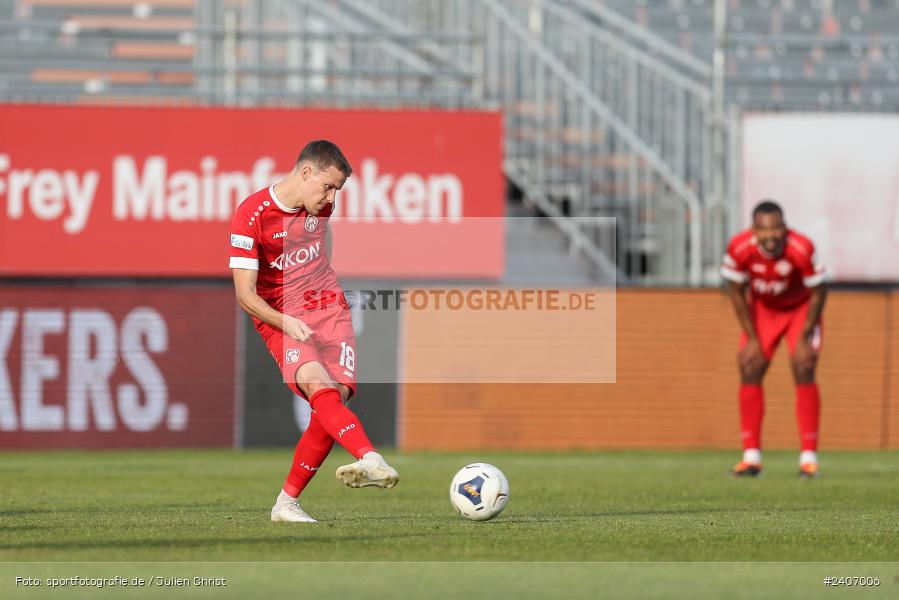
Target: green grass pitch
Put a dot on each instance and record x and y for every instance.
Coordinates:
(591, 511)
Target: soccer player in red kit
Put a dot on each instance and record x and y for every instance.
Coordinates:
(284, 280)
(778, 290)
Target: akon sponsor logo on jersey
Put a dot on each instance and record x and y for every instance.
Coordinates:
(295, 257)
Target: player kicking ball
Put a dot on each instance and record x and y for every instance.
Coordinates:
(778, 290)
(283, 279)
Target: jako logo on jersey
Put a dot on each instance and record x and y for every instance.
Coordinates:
(241, 241)
(347, 373)
(311, 223)
(293, 355)
(783, 267)
(345, 429)
(766, 288)
(758, 268)
(280, 234)
(296, 257)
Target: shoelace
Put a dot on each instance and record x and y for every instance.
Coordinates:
(291, 506)
(294, 507)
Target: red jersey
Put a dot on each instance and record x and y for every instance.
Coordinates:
(779, 282)
(287, 247)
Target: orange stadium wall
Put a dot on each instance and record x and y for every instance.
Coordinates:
(676, 385)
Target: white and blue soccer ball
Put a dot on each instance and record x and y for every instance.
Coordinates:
(479, 491)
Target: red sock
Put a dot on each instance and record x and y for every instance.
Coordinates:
(808, 410)
(311, 452)
(340, 422)
(752, 407)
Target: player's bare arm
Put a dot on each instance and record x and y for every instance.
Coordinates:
(815, 309)
(805, 358)
(741, 307)
(255, 306)
(752, 360)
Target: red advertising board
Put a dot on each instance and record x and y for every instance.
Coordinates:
(109, 191)
(116, 367)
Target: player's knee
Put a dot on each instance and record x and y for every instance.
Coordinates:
(803, 370)
(312, 377)
(751, 373)
(317, 385)
(805, 362)
(804, 376)
(751, 378)
(344, 393)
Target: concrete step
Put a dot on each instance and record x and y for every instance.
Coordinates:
(538, 254)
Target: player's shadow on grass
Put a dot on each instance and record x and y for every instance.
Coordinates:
(214, 507)
(429, 520)
(11, 528)
(610, 514)
(671, 512)
(201, 543)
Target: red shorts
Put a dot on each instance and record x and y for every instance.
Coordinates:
(333, 344)
(773, 324)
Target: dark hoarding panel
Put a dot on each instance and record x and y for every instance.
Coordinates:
(114, 367)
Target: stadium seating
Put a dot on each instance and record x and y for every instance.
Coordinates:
(789, 53)
(73, 51)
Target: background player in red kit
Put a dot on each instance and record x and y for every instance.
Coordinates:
(284, 280)
(778, 290)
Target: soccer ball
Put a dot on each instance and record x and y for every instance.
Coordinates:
(479, 491)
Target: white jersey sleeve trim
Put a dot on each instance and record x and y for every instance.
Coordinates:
(813, 280)
(735, 276)
(242, 262)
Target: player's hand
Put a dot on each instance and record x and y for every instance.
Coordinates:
(751, 357)
(296, 329)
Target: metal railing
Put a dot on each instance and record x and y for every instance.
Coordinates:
(595, 126)
(630, 33)
(277, 53)
(357, 61)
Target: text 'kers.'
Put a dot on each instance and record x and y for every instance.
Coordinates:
(89, 345)
(149, 190)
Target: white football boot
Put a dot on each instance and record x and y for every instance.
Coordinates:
(370, 470)
(290, 512)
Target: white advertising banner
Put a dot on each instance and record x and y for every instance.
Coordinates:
(837, 178)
